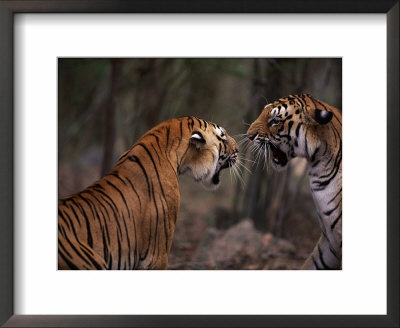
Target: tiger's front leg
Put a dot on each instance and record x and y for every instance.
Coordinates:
(323, 257)
(162, 263)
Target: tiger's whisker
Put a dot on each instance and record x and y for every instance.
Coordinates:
(244, 166)
(238, 175)
(241, 157)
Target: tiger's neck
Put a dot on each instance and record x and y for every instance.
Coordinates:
(323, 151)
(159, 148)
(325, 178)
(148, 173)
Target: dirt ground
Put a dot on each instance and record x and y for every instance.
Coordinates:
(200, 245)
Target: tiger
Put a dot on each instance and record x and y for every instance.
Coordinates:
(303, 126)
(126, 220)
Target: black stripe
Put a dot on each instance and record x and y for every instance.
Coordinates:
(71, 265)
(302, 102)
(326, 148)
(114, 209)
(314, 154)
(156, 153)
(338, 193)
(322, 259)
(105, 248)
(298, 129)
(338, 160)
(142, 257)
(290, 124)
(334, 170)
(134, 190)
(323, 184)
(155, 168)
(336, 221)
(179, 138)
(93, 209)
(321, 104)
(198, 122)
(79, 254)
(136, 251)
(315, 263)
(61, 216)
(120, 193)
(190, 123)
(63, 248)
(115, 174)
(157, 139)
(104, 228)
(306, 143)
(119, 254)
(133, 158)
(165, 225)
(330, 160)
(329, 244)
(89, 253)
(99, 186)
(123, 156)
(88, 229)
(61, 230)
(129, 243)
(156, 229)
(72, 225)
(110, 203)
(339, 121)
(76, 216)
(329, 212)
(168, 131)
(315, 163)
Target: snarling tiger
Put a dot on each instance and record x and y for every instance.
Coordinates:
(127, 219)
(303, 126)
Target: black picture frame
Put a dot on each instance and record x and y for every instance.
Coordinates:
(10, 7)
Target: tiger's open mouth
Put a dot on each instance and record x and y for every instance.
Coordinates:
(228, 163)
(278, 156)
(215, 178)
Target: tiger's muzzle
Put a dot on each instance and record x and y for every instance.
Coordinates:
(278, 156)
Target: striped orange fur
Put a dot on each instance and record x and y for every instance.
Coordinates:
(126, 220)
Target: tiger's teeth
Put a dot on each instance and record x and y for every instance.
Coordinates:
(275, 160)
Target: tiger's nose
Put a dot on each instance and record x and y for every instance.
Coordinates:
(251, 136)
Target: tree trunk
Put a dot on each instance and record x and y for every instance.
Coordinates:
(110, 109)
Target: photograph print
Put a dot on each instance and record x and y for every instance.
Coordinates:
(199, 163)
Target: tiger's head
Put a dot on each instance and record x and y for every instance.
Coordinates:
(210, 150)
(290, 127)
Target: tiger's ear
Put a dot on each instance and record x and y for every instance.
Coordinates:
(320, 116)
(197, 140)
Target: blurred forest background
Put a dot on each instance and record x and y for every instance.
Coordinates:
(269, 221)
